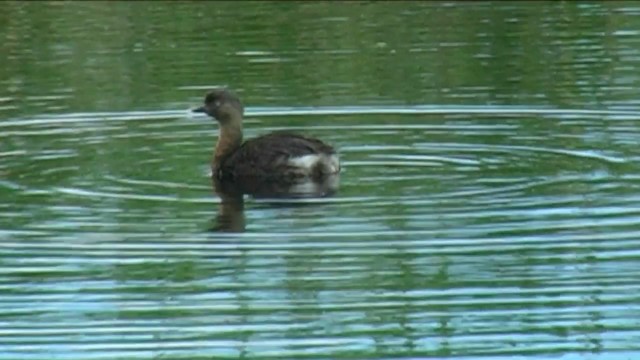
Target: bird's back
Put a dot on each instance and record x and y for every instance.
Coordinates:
(280, 156)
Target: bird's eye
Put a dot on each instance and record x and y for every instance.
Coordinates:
(216, 103)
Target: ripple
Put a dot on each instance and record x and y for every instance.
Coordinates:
(98, 194)
(487, 208)
(512, 112)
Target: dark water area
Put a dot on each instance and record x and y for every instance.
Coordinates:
(487, 208)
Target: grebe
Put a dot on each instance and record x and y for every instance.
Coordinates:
(279, 156)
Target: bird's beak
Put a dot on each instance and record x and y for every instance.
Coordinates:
(199, 110)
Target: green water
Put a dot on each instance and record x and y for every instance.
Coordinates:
(488, 206)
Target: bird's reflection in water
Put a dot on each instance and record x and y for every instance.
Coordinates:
(230, 217)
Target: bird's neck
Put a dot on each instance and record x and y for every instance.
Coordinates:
(229, 141)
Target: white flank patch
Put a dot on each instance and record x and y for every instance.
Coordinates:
(305, 162)
(330, 163)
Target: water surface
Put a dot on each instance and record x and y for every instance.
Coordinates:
(487, 208)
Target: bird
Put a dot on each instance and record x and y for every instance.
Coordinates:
(279, 157)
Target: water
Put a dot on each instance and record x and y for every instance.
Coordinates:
(487, 208)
